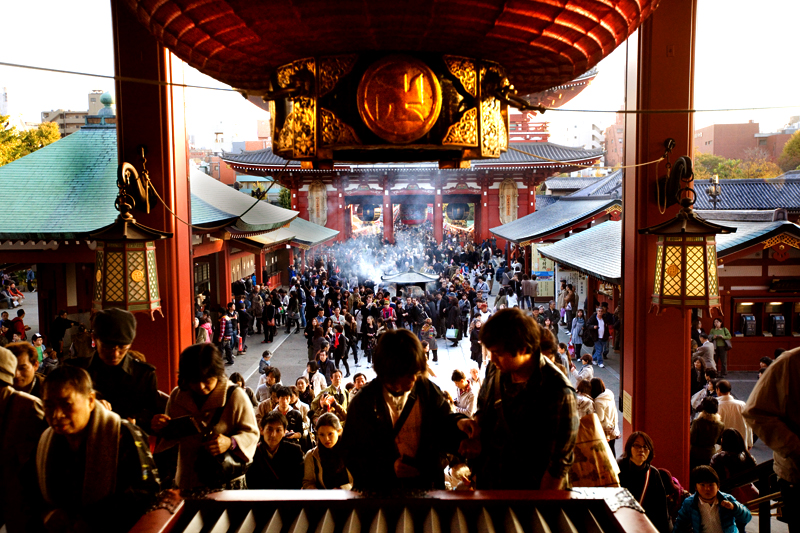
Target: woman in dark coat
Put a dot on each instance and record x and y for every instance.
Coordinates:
(454, 320)
(475, 347)
(643, 480)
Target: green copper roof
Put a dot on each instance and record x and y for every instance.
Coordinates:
(46, 194)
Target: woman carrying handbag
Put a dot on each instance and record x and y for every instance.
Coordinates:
(721, 338)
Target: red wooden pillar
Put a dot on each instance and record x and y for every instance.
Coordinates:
(348, 222)
(484, 209)
(303, 259)
(294, 200)
(259, 267)
(224, 278)
(388, 218)
(656, 391)
(438, 217)
(153, 115)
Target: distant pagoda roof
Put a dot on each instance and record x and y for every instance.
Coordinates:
(514, 157)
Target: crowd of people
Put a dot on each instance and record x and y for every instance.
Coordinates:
(79, 456)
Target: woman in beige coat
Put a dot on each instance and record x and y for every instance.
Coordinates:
(201, 397)
(324, 464)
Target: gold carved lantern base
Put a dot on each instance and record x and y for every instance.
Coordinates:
(389, 107)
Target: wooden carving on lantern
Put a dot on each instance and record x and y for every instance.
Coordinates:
(508, 201)
(318, 203)
(399, 98)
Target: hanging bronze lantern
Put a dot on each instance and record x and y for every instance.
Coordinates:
(457, 211)
(413, 214)
(126, 275)
(389, 81)
(367, 212)
(686, 253)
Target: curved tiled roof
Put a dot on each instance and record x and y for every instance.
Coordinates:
(596, 251)
(72, 186)
(569, 183)
(409, 278)
(543, 200)
(602, 187)
(748, 233)
(557, 152)
(549, 150)
(772, 193)
(584, 250)
(553, 219)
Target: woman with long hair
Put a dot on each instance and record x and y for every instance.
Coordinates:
(732, 461)
(576, 331)
(606, 409)
(324, 464)
(643, 480)
(308, 332)
(369, 332)
(698, 375)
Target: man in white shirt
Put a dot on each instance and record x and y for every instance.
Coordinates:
(730, 410)
(337, 318)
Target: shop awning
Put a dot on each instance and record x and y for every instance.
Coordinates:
(219, 203)
(299, 232)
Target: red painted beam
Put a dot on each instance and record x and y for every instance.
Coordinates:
(207, 248)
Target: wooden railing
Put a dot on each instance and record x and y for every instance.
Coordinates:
(763, 477)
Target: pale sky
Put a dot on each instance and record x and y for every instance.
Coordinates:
(745, 57)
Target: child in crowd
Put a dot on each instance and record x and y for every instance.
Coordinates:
(38, 342)
(708, 509)
(263, 363)
(324, 464)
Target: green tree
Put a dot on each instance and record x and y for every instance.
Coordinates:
(284, 198)
(14, 144)
(790, 156)
(756, 164)
(706, 165)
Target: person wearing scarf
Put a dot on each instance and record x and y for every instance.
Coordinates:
(95, 470)
(324, 464)
(643, 480)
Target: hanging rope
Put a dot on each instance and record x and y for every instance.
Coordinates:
(541, 109)
(261, 195)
